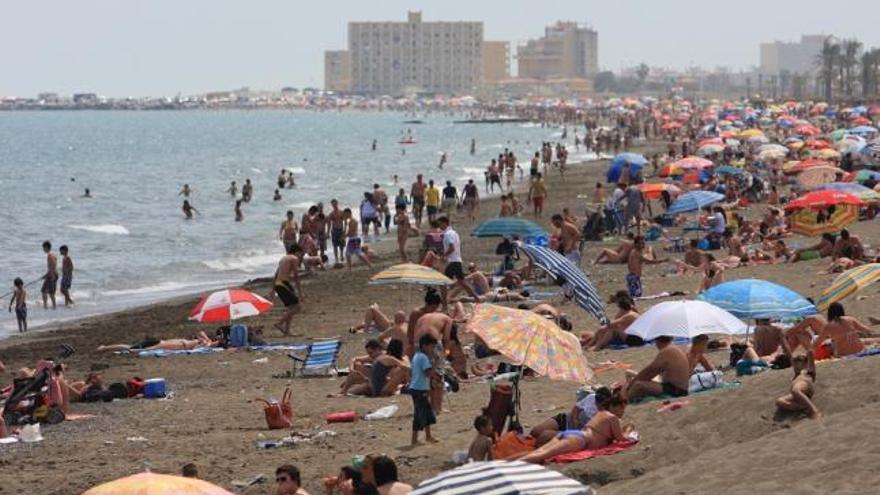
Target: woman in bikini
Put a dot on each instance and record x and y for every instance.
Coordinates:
(800, 398)
(602, 430)
(844, 332)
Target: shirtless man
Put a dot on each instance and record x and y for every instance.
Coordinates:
(380, 199)
(149, 344)
(620, 255)
(287, 232)
(417, 193)
(288, 267)
(670, 364)
(734, 244)
(694, 259)
(569, 238)
(769, 342)
(477, 279)
(822, 249)
(66, 274)
(50, 279)
(615, 330)
(432, 304)
(438, 325)
(848, 241)
(354, 243)
(188, 210)
(696, 354)
(185, 192)
(336, 224)
(634, 264)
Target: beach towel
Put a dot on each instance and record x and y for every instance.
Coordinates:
(867, 352)
(187, 352)
(78, 417)
(583, 455)
(653, 398)
(611, 365)
(511, 444)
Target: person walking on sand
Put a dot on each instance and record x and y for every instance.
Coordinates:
(354, 243)
(537, 193)
(50, 279)
(404, 231)
(66, 274)
(336, 223)
(422, 371)
(417, 193)
(288, 268)
(188, 210)
(19, 301)
(452, 256)
(471, 199)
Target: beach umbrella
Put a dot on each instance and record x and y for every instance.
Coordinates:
(694, 201)
(635, 161)
(749, 133)
(814, 177)
(865, 175)
(823, 199)
(756, 299)
(509, 227)
(794, 167)
(866, 194)
(654, 190)
(863, 130)
(710, 149)
(685, 319)
(228, 304)
(826, 154)
(728, 170)
(501, 478)
(156, 484)
(848, 283)
(806, 221)
(409, 274)
(772, 147)
(817, 144)
(692, 163)
(529, 339)
(760, 139)
(806, 130)
(565, 272)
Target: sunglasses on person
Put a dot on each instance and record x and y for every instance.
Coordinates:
(282, 479)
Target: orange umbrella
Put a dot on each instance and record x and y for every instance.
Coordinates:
(654, 190)
(817, 144)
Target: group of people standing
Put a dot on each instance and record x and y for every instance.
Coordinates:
(18, 300)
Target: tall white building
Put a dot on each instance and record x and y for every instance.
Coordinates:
(793, 57)
(567, 50)
(397, 58)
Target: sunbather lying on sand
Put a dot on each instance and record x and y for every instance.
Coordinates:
(150, 344)
(800, 397)
(580, 415)
(602, 430)
(619, 255)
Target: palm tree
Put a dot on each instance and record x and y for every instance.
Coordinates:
(826, 60)
(848, 62)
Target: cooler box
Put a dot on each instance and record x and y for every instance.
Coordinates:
(154, 388)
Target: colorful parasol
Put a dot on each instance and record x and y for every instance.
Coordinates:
(654, 190)
(806, 222)
(409, 273)
(848, 283)
(156, 484)
(823, 199)
(229, 304)
(529, 339)
(814, 177)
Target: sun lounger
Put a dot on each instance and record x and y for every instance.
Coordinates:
(319, 358)
(583, 455)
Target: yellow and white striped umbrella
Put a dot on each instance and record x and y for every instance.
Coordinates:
(848, 283)
(410, 273)
(156, 484)
(805, 222)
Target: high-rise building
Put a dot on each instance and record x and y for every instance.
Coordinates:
(796, 58)
(566, 51)
(496, 61)
(396, 58)
(337, 70)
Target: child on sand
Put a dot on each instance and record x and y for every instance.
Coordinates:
(481, 447)
(419, 386)
(19, 297)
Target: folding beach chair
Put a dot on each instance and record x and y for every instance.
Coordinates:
(319, 358)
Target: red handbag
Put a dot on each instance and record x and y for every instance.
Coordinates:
(278, 415)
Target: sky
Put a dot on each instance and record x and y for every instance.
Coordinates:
(123, 48)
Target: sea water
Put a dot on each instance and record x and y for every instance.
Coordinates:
(130, 242)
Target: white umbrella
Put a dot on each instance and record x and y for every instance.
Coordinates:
(685, 319)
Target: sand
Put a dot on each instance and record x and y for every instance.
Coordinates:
(727, 440)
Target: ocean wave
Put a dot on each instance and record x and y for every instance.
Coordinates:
(248, 262)
(158, 288)
(111, 229)
(473, 170)
(255, 169)
(296, 170)
(302, 205)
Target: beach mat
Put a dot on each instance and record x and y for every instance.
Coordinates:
(283, 347)
(654, 398)
(78, 417)
(608, 366)
(583, 455)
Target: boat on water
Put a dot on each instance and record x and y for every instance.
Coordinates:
(408, 140)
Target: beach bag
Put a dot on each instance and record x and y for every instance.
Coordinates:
(238, 336)
(278, 415)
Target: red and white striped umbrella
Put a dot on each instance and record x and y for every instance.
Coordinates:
(229, 304)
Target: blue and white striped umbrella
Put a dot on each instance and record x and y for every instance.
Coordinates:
(501, 478)
(694, 201)
(561, 268)
(755, 299)
(509, 226)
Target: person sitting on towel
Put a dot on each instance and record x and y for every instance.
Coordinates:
(580, 414)
(696, 354)
(670, 365)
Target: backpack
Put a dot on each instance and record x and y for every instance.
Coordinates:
(238, 336)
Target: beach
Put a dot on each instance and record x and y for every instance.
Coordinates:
(722, 440)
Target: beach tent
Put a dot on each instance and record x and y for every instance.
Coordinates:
(635, 161)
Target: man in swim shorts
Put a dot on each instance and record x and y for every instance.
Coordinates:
(288, 268)
(50, 279)
(354, 243)
(670, 364)
(337, 231)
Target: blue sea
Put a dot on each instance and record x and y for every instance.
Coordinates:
(130, 242)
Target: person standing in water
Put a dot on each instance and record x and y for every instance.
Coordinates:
(473, 146)
(66, 275)
(19, 300)
(442, 161)
(50, 279)
(374, 145)
(288, 230)
(247, 191)
(185, 192)
(239, 216)
(188, 209)
(233, 189)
